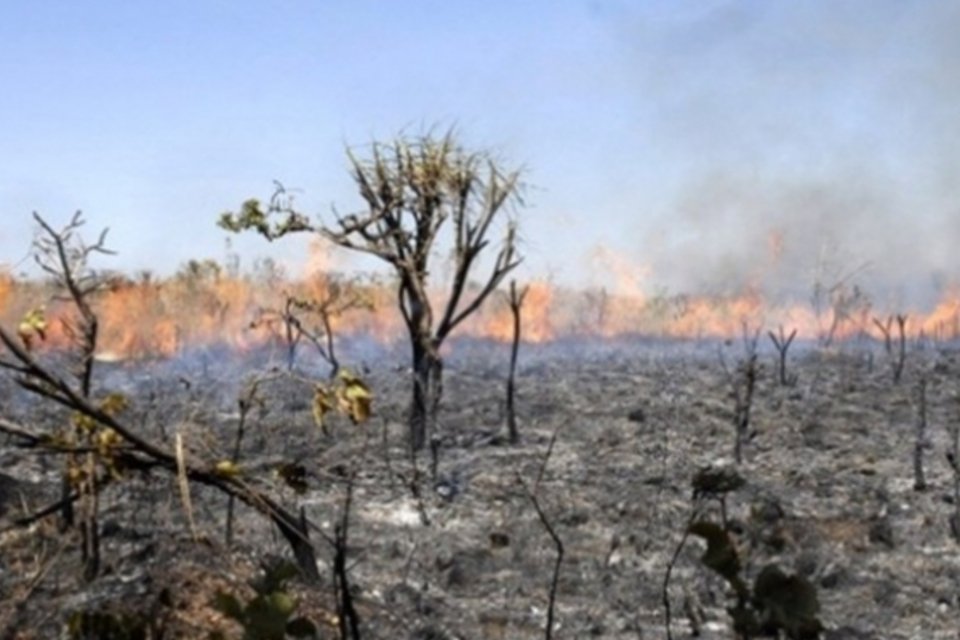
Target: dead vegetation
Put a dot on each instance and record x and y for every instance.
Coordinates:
(217, 497)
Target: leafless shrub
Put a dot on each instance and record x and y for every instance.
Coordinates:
(782, 342)
(515, 300)
(897, 359)
(743, 381)
(532, 495)
(953, 459)
(919, 479)
(311, 319)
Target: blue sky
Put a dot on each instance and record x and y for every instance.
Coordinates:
(677, 134)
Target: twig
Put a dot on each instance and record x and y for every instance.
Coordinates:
(546, 459)
(244, 404)
(551, 531)
(346, 612)
(919, 480)
(953, 459)
(184, 485)
(665, 592)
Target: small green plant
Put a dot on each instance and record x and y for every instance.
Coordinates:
(776, 604)
(270, 614)
(101, 625)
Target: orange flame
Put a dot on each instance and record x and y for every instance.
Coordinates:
(151, 317)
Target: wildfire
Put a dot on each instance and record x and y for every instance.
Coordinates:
(150, 317)
(6, 289)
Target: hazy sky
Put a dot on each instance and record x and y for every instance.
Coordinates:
(708, 144)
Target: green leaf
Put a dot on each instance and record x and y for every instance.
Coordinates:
(716, 481)
(787, 603)
(228, 605)
(265, 620)
(275, 577)
(282, 603)
(301, 628)
(721, 554)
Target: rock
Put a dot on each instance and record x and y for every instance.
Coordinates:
(848, 633)
(833, 577)
(638, 415)
(881, 533)
(806, 564)
(767, 511)
(466, 567)
(9, 489)
(575, 518)
(716, 481)
(430, 632)
(885, 593)
(499, 540)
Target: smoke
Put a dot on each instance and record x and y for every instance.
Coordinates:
(808, 140)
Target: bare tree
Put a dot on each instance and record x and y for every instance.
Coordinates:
(897, 359)
(64, 256)
(847, 304)
(411, 189)
(833, 290)
(291, 321)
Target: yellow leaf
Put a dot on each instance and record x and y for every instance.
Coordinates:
(75, 474)
(357, 408)
(107, 439)
(114, 404)
(321, 405)
(84, 423)
(227, 468)
(33, 323)
(354, 398)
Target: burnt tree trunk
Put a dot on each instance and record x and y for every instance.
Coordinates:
(516, 302)
(919, 478)
(902, 348)
(744, 402)
(427, 389)
(782, 342)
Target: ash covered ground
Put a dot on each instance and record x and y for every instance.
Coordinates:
(829, 494)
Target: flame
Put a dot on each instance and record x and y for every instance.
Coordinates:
(943, 322)
(536, 321)
(201, 307)
(6, 288)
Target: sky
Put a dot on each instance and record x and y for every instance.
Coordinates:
(706, 145)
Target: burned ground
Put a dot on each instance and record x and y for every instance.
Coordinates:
(829, 495)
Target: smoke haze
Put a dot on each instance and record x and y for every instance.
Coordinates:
(807, 139)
